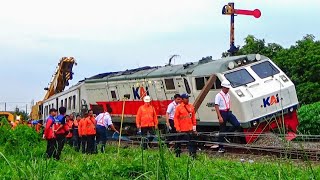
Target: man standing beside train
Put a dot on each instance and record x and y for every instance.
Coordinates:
(146, 120)
(170, 114)
(222, 107)
(185, 122)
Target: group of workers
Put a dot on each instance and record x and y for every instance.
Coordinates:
(85, 133)
(90, 131)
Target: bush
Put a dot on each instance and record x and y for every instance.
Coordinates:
(309, 118)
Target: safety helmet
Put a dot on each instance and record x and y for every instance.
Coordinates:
(226, 84)
(147, 99)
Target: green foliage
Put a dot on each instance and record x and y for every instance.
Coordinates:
(127, 165)
(301, 62)
(309, 118)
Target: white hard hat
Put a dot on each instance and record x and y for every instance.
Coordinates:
(226, 84)
(147, 99)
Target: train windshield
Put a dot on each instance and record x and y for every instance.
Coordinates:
(239, 78)
(265, 69)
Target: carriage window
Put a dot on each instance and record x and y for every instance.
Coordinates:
(74, 102)
(70, 100)
(113, 95)
(239, 78)
(169, 84)
(265, 69)
(186, 84)
(218, 84)
(65, 102)
(61, 103)
(207, 78)
(200, 83)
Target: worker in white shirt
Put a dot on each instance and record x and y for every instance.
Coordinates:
(222, 107)
(103, 122)
(170, 115)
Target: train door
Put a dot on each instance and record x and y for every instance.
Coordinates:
(183, 86)
(170, 87)
(158, 86)
(112, 93)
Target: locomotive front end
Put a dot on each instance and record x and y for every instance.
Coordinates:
(264, 98)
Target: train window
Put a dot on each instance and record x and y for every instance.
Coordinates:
(186, 84)
(74, 102)
(69, 104)
(207, 78)
(113, 95)
(65, 102)
(239, 78)
(61, 103)
(265, 69)
(218, 83)
(199, 83)
(169, 84)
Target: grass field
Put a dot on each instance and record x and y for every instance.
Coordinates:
(132, 163)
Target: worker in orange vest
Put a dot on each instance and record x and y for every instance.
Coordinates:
(75, 133)
(69, 123)
(38, 127)
(90, 125)
(146, 121)
(185, 122)
(15, 124)
(83, 133)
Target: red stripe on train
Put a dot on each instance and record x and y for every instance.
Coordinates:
(131, 107)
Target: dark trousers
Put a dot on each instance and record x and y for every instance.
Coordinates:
(101, 137)
(83, 140)
(227, 117)
(52, 147)
(173, 130)
(148, 136)
(61, 139)
(76, 140)
(189, 139)
(91, 144)
(69, 141)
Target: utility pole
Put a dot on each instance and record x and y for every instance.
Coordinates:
(26, 108)
(229, 10)
(5, 106)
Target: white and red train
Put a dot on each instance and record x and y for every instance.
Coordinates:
(263, 97)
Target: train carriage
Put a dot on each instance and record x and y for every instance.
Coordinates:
(262, 95)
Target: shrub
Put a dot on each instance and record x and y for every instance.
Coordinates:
(309, 118)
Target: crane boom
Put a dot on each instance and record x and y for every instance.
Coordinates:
(60, 79)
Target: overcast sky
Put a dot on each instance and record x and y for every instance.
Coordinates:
(120, 34)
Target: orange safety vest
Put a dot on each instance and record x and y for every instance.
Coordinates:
(69, 126)
(184, 118)
(38, 127)
(81, 127)
(90, 125)
(146, 116)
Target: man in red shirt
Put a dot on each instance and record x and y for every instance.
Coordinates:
(49, 134)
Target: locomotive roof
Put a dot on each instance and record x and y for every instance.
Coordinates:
(205, 66)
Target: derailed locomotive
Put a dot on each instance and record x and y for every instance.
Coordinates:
(263, 97)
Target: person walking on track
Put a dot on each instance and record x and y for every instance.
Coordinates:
(222, 107)
(147, 121)
(185, 123)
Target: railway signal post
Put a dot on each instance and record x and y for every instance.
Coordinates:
(230, 10)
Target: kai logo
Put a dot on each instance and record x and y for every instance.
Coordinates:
(140, 92)
(270, 100)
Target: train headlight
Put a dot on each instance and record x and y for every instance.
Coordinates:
(244, 61)
(239, 93)
(284, 78)
(258, 57)
(231, 65)
(239, 63)
(291, 109)
(255, 123)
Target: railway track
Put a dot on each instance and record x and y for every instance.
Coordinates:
(286, 151)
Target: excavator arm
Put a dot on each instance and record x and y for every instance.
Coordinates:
(60, 79)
